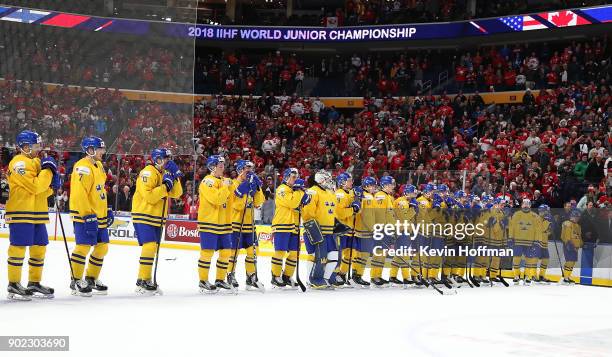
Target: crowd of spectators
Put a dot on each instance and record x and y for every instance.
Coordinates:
(55, 55)
(382, 12)
(409, 72)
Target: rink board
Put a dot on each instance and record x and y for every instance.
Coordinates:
(594, 265)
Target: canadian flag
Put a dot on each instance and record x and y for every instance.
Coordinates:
(564, 18)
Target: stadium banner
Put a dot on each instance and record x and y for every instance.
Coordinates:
(405, 32)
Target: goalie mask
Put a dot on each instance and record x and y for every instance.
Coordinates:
(325, 180)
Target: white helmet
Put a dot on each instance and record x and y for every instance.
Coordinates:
(324, 179)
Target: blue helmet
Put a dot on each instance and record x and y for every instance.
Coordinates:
(369, 181)
(160, 153)
(459, 194)
(213, 161)
(342, 178)
(428, 188)
(498, 200)
(575, 213)
(92, 142)
(437, 197)
(486, 197)
(28, 137)
(442, 188)
(243, 164)
(288, 172)
(409, 189)
(386, 180)
(543, 208)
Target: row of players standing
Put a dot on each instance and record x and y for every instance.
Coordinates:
(225, 223)
(337, 261)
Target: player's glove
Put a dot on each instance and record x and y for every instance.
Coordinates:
(173, 169)
(358, 191)
(110, 217)
(56, 182)
(356, 205)
(492, 221)
(305, 199)
(298, 184)
(91, 225)
(168, 180)
(48, 163)
(256, 180)
(243, 188)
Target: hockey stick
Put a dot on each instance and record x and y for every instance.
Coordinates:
(58, 216)
(422, 281)
(235, 253)
(161, 235)
(561, 264)
(299, 249)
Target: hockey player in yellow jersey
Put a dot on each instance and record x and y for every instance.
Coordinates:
(424, 217)
(481, 262)
(495, 225)
(405, 210)
(522, 235)
(90, 216)
(347, 206)
(324, 250)
(288, 198)
(547, 223)
(384, 214)
(458, 263)
(30, 180)
(155, 185)
(215, 225)
(243, 227)
(364, 228)
(437, 216)
(571, 236)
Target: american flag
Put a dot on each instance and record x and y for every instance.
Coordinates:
(522, 23)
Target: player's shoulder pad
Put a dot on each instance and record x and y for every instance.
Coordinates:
(19, 167)
(311, 191)
(82, 170)
(340, 194)
(367, 196)
(380, 196)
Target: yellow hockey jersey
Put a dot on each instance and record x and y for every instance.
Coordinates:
(88, 191)
(286, 202)
(321, 208)
(148, 200)
(523, 228)
(238, 208)
(544, 232)
(571, 232)
(28, 191)
(384, 208)
(365, 220)
(215, 211)
(403, 211)
(344, 211)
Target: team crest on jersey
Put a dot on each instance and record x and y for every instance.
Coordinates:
(20, 167)
(281, 192)
(209, 182)
(311, 192)
(340, 195)
(82, 170)
(145, 174)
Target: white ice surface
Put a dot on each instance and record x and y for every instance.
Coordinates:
(517, 321)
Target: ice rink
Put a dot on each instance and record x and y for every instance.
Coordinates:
(516, 321)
